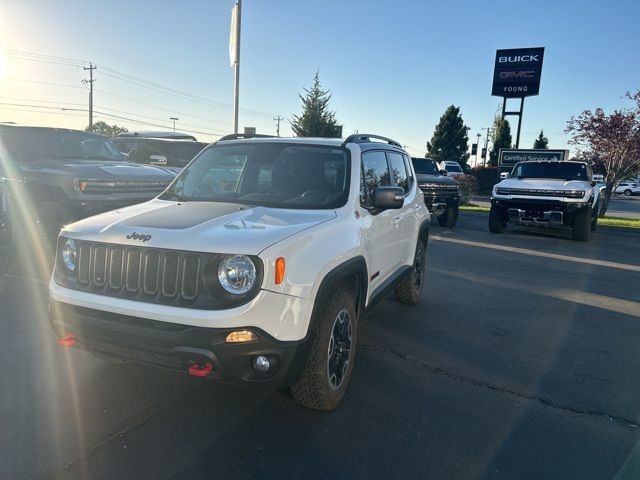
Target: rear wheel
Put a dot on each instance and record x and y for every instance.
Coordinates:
(594, 224)
(582, 225)
(627, 192)
(496, 222)
(327, 373)
(409, 290)
(449, 217)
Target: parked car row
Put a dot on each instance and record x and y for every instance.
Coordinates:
(50, 177)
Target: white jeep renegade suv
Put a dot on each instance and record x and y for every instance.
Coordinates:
(256, 265)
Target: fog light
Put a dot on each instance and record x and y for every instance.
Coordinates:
(261, 363)
(241, 336)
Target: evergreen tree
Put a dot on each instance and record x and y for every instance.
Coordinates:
(501, 138)
(450, 140)
(541, 142)
(316, 119)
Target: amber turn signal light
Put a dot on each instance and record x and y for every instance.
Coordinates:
(241, 336)
(280, 264)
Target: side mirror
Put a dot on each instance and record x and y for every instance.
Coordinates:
(388, 198)
(593, 183)
(443, 172)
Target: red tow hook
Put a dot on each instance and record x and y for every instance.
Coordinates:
(68, 340)
(196, 370)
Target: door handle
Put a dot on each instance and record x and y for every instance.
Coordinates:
(396, 221)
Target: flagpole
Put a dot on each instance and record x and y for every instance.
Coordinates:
(236, 90)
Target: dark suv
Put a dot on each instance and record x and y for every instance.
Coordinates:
(441, 193)
(50, 177)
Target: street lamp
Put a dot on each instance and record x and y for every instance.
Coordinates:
(174, 122)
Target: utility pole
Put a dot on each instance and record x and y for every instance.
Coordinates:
(174, 122)
(278, 119)
(486, 145)
(91, 68)
(235, 36)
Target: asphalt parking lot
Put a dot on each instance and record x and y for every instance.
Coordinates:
(521, 362)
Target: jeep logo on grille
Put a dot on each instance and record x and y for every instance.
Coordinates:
(139, 236)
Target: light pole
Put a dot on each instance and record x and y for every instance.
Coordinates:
(174, 122)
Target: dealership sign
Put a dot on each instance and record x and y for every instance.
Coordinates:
(517, 72)
(508, 158)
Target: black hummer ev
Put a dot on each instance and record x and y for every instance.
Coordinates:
(441, 193)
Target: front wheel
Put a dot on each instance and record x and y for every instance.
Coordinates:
(496, 222)
(449, 217)
(327, 373)
(582, 225)
(408, 291)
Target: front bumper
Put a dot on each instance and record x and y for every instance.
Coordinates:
(539, 213)
(438, 202)
(179, 347)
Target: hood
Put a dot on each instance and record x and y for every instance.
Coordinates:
(544, 184)
(96, 170)
(437, 179)
(198, 226)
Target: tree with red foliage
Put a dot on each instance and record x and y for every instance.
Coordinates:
(612, 139)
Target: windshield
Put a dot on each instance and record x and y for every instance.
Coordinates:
(277, 175)
(33, 144)
(452, 168)
(425, 166)
(562, 170)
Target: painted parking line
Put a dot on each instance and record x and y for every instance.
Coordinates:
(535, 253)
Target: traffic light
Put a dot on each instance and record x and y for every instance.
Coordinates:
(474, 149)
(484, 153)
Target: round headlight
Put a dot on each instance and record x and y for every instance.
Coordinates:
(237, 274)
(70, 254)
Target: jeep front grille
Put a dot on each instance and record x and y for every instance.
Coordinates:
(153, 275)
(134, 271)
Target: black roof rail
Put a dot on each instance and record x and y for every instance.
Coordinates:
(366, 137)
(238, 136)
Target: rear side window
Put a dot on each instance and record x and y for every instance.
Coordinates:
(376, 174)
(399, 171)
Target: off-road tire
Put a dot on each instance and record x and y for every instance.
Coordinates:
(582, 225)
(449, 217)
(594, 224)
(408, 291)
(313, 389)
(496, 222)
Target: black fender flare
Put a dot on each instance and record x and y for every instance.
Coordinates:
(356, 265)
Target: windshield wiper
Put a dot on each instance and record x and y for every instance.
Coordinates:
(176, 197)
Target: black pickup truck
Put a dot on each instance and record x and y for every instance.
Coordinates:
(51, 176)
(441, 193)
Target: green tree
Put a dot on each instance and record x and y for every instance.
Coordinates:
(105, 129)
(316, 119)
(541, 142)
(450, 140)
(501, 138)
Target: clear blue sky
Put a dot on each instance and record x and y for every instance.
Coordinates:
(393, 67)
